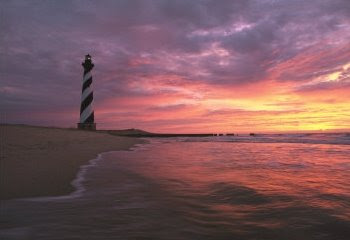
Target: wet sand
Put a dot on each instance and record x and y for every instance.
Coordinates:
(171, 189)
(40, 161)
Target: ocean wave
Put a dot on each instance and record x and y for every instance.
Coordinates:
(306, 138)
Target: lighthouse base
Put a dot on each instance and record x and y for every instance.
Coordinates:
(87, 126)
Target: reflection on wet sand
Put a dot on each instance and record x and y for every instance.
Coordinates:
(201, 190)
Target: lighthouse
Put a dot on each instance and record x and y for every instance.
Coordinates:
(87, 120)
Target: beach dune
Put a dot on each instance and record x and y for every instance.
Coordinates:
(42, 161)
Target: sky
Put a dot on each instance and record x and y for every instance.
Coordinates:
(200, 66)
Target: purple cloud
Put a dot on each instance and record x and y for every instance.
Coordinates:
(225, 43)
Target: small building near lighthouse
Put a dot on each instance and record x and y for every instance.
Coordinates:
(87, 118)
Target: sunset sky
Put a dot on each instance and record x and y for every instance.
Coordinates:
(179, 65)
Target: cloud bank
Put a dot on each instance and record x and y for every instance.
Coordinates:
(182, 66)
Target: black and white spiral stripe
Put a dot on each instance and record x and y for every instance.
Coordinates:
(86, 110)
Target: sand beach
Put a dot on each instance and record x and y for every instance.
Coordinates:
(222, 187)
(42, 161)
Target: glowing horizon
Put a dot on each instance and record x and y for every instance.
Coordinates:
(181, 67)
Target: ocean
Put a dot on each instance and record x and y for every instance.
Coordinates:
(273, 187)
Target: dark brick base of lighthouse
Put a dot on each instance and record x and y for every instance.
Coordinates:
(87, 126)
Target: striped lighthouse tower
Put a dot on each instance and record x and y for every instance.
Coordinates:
(87, 120)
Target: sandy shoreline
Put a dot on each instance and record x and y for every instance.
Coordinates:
(39, 161)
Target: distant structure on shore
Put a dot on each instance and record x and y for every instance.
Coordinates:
(87, 119)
